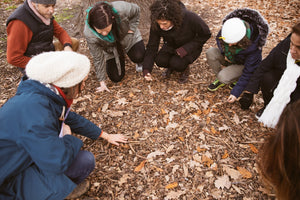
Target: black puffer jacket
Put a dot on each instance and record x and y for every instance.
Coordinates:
(192, 35)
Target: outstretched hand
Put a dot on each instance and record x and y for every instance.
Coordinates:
(231, 99)
(102, 87)
(114, 138)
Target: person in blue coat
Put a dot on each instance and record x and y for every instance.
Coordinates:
(40, 156)
(240, 41)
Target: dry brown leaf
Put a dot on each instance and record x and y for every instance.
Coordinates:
(172, 185)
(225, 155)
(140, 166)
(190, 98)
(207, 120)
(205, 112)
(131, 94)
(119, 124)
(198, 113)
(163, 111)
(206, 161)
(158, 169)
(245, 173)
(181, 139)
(253, 148)
(201, 149)
(213, 130)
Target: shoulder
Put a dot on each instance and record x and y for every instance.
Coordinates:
(123, 6)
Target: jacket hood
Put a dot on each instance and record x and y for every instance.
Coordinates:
(255, 19)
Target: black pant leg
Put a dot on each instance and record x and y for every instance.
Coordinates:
(112, 70)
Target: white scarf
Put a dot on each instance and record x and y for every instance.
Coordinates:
(282, 93)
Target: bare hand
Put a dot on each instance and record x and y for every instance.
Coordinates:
(148, 77)
(66, 129)
(231, 99)
(68, 48)
(114, 138)
(130, 31)
(102, 87)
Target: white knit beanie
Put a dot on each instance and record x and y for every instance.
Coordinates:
(61, 68)
(233, 30)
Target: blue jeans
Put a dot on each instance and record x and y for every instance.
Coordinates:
(81, 167)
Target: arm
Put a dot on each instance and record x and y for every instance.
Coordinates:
(251, 63)
(133, 14)
(151, 50)
(18, 38)
(201, 30)
(86, 128)
(97, 53)
(62, 35)
(130, 11)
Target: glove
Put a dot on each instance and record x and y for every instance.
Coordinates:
(246, 100)
(181, 52)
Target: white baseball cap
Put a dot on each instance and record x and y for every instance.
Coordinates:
(233, 30)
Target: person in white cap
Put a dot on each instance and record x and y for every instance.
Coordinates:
(40, 156)
(240, 41)
(30, 31)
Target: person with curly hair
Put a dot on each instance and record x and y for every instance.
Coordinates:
(184, 34)
(279, 159)
(111, 30)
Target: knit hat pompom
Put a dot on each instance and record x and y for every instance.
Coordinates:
(64, 69)
(46, 2)
(233, 30)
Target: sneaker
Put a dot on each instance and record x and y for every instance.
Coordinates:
(81, 188)
(215, 85)
(259, 113)
(231, 85)
(139, 67)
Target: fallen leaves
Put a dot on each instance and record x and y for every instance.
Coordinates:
(245, 173)
(222, 182)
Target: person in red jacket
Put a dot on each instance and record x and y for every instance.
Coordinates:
(30, 31)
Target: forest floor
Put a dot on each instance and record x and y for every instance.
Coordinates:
(184, 142)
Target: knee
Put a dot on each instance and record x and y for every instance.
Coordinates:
(211, 53)
(223, 77)
(87, 158)
(161, 61)
(138, 57)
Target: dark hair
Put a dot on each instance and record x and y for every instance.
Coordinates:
(296, 29)
(166, 10)
(101, 15)
(244, 43)
(279, 158)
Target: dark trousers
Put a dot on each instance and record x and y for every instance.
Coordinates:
(269, 83)
(136, 55)
(167, 58)
(81, 167)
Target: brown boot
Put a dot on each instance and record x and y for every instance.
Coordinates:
(184, 76)
(81, 188)
(167, 74)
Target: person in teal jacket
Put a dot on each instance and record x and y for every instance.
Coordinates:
(40, 157)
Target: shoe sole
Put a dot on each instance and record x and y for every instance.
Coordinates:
(212, 90)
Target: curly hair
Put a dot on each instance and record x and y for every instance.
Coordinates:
(279, 158)
(166, 10)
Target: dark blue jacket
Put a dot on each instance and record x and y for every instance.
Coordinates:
(33, 157)
(250, 57)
